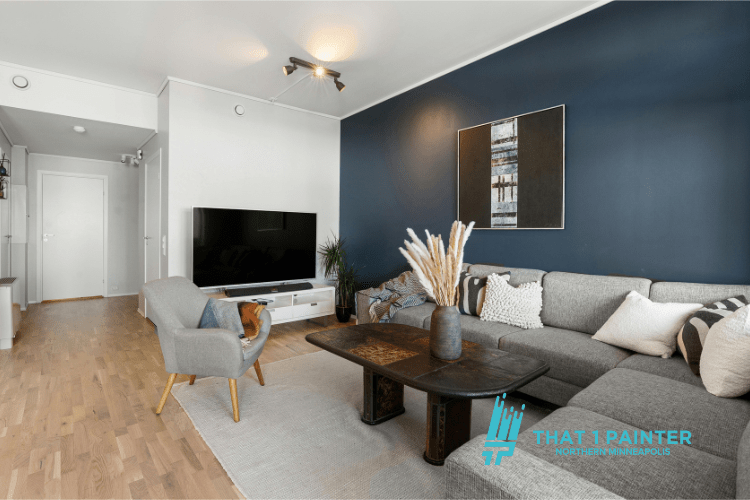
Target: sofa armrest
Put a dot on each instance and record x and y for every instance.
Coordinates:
(363, 308)
(522, 475)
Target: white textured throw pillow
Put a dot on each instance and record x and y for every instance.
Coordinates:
(646, 327)
(725, 361)
(515, 306)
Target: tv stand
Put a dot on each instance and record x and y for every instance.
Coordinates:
(286, 305)
(256, 290)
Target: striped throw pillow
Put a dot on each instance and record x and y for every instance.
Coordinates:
(692, 336)
(471, 293)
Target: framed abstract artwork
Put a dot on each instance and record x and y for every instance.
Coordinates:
(511, 172)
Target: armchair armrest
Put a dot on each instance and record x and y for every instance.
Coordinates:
(208, 352)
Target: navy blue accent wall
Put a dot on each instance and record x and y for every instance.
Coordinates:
(657, 153)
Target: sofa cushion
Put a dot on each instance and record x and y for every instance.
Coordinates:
(518, 275)
(551, 390)
(414, 316)
(574, 357)
(686, 473)
(673, 368)
(743, 465)
(666, 291)
(651, 402)
(481, 332)
(584, 302)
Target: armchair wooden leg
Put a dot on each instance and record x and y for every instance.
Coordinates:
(165, 394)
(258, 372)
(192, 379)
(235, 401)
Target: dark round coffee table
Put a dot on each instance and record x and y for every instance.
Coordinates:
(394, 355)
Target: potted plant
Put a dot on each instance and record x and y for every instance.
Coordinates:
(344, 275)
(438, 271)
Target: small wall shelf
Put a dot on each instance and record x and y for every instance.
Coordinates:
(293, 306)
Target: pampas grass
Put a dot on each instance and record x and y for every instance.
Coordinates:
(438, 270)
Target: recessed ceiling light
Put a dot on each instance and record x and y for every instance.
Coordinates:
(20, 82)
(239, 109)
(79, 129)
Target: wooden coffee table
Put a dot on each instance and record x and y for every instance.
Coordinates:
(394, 355)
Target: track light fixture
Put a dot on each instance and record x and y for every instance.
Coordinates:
(318, 71)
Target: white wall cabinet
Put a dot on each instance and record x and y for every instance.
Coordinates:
(294, 306)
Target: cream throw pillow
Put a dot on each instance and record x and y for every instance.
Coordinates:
(514, 306)
(725, 361)
(646, 327)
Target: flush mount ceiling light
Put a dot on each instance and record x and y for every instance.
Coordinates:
(79, 129)
(20, 82)
(318, 71)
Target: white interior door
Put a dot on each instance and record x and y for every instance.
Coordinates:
(72, 237)
(152, 236)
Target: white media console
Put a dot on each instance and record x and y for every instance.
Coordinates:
(293, 306)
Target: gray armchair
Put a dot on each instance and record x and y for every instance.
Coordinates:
(175, 306)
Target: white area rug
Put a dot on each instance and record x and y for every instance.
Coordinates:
(300, 436)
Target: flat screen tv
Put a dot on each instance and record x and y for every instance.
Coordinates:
(244, 247)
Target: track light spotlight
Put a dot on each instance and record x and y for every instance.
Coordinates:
(319, 71)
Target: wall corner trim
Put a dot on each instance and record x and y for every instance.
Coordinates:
(515, 41)
(74, 78)
(243, 96)
(5, 133)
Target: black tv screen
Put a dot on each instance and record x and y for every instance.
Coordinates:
(238, 247)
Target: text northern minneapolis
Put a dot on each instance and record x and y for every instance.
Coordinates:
(630, 440)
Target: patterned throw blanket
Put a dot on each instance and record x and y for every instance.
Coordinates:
(394, 295)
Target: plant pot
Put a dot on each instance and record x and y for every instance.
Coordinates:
(445, 333)
(343, 314)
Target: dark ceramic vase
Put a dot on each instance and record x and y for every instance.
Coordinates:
(445, 333)
(343, 313)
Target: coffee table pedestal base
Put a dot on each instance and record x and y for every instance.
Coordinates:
(383, 398)
(448, 426)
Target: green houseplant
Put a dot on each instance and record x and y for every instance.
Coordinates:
(342, 273)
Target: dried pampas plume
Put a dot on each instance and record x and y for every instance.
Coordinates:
(438, 269)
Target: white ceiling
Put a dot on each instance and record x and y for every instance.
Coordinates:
(381, 48)
(46, 133)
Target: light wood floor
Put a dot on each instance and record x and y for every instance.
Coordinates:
(77, 398)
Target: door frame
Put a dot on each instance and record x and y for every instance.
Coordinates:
(145, 219)
(39, 251)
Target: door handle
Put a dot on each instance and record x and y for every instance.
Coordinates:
(147, 237)
(45, 235)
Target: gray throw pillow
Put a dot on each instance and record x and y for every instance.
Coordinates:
(222, 314)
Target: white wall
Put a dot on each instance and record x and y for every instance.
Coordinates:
(63, 95)
(20, 159)
(4, 217)
(123, 242)
(272, 158)
(159, 144)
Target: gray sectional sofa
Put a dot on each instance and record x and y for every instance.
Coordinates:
(602, 387)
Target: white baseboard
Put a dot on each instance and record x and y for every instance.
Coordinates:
(122, 294)
(141, 312)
